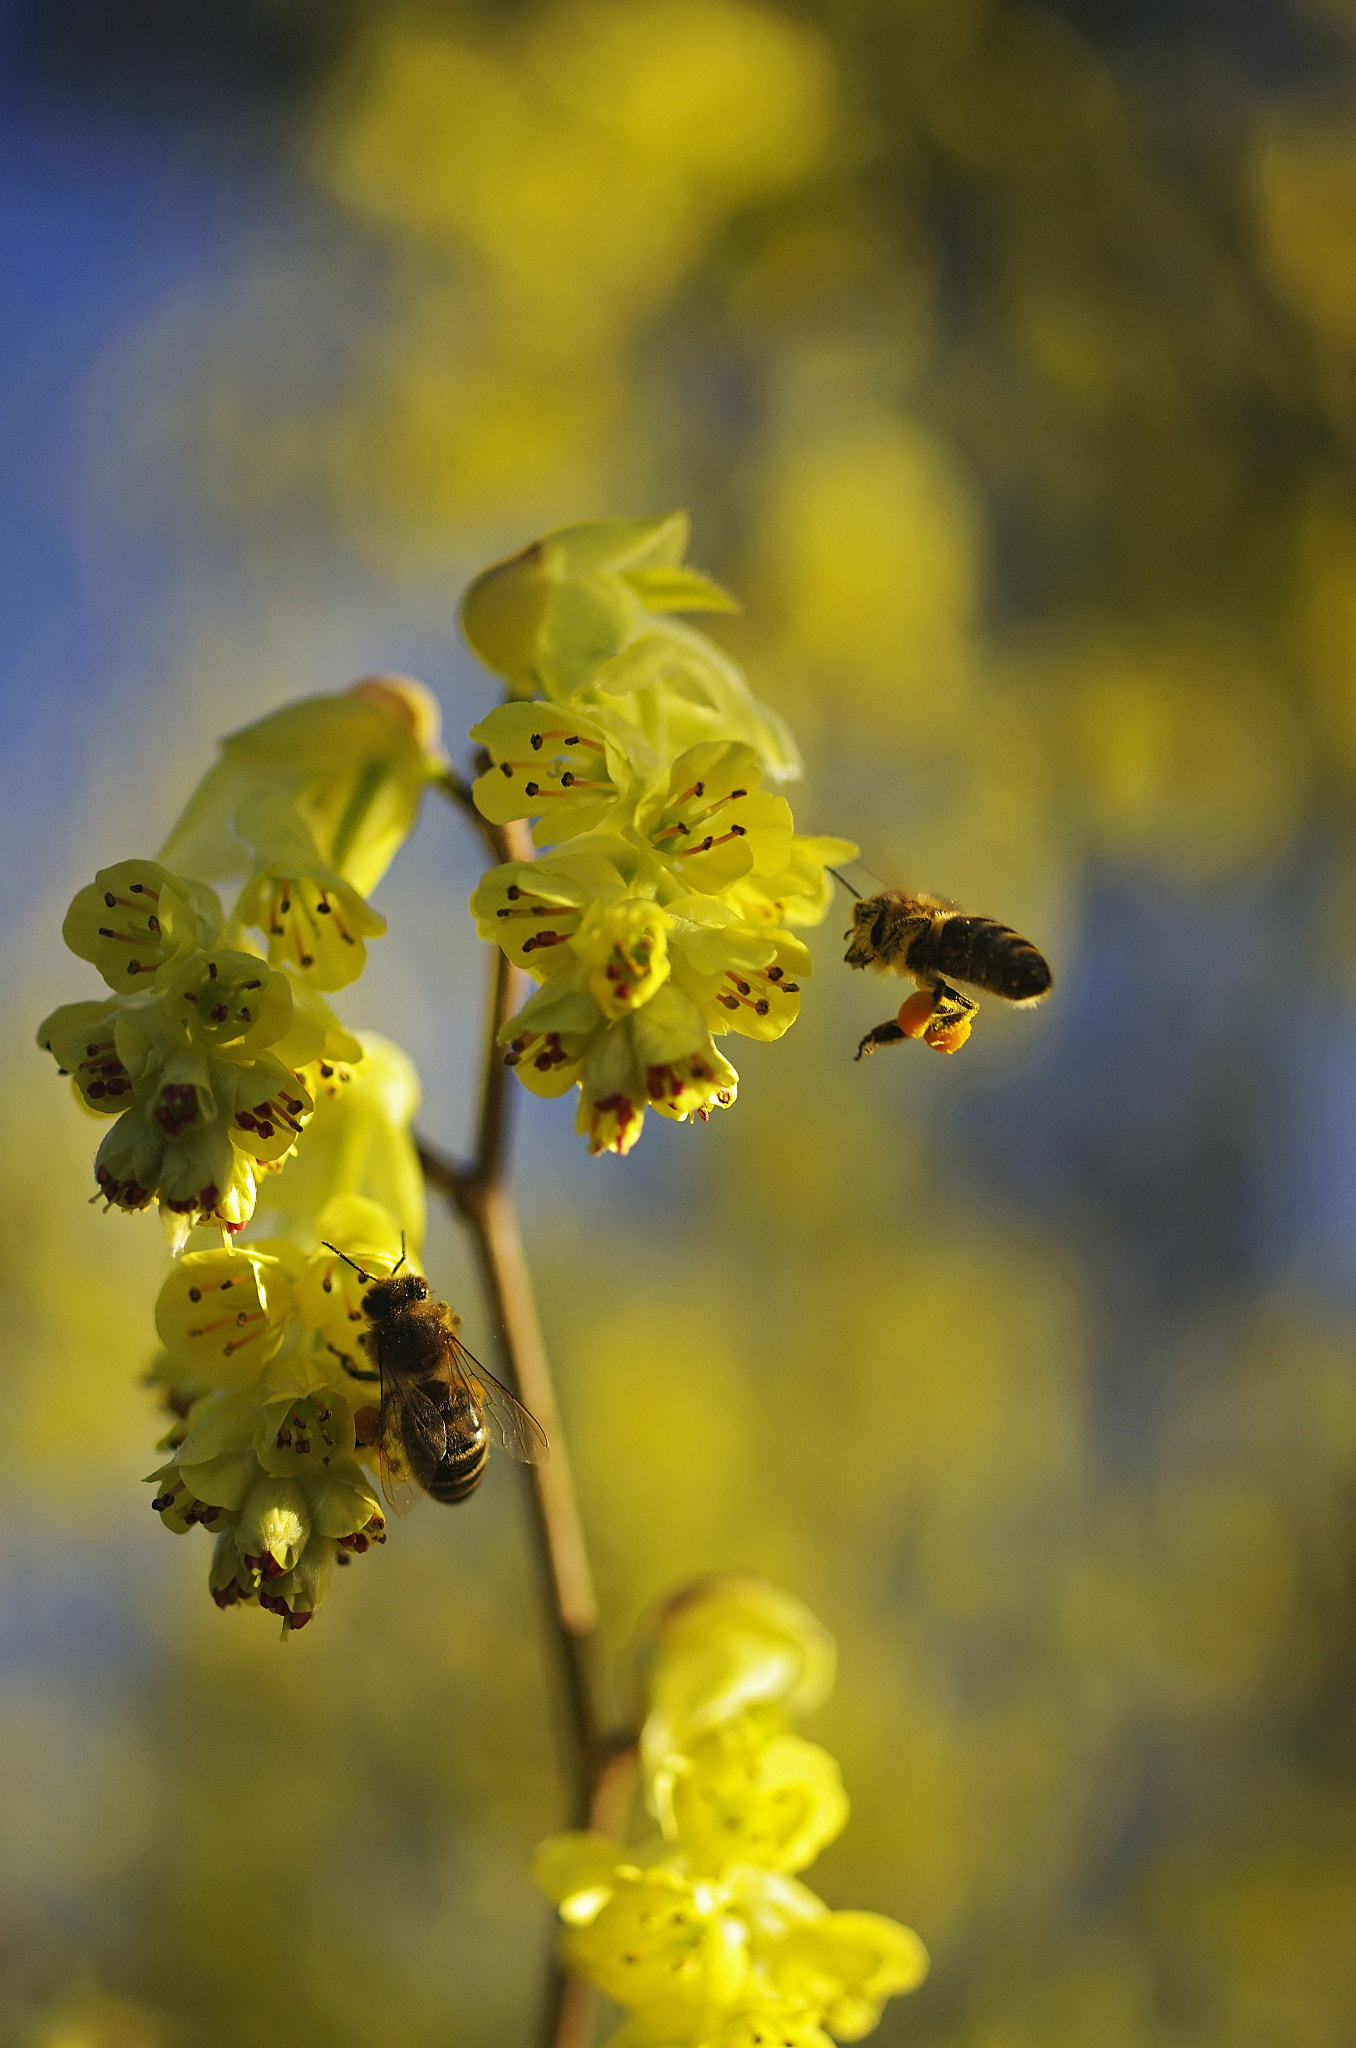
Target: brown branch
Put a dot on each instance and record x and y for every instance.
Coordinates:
(600, 1764)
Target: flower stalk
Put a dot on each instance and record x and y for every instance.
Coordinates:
(599, 1761)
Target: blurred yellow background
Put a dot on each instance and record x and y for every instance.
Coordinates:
(1005, 356)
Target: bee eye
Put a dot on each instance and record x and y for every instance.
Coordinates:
(878, 929)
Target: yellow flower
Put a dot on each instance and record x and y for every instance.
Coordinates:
(742, 977)
(315, 922)
(221, 1314)
(81, 1039)
(569, 773)
(530, 908)
(135, 918)
(657, 1055)
(799, 893)
(623, 951)
(845, 1966)
(738, 1796)
(712, 822)
(662, 1939)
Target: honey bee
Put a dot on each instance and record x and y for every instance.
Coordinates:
(439, 1406)
(902, 932)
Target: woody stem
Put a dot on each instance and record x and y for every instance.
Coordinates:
(480, 1194)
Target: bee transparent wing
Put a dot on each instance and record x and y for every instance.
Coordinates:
(407, 1409)
(519, 1433)
(857, 880)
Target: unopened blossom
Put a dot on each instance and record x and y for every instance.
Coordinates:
(353, 767)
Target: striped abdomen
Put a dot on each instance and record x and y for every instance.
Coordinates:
(986, 954)
(459, 1472)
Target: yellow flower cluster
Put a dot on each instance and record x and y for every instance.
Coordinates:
(213, 1054)
(661, 925)
(212, 1049)
(270, 1426)
(706, 1936)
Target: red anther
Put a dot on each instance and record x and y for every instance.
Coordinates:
(296, 1621)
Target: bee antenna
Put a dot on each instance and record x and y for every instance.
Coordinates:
(401, 1260)
(346, 1259)
(846, 884)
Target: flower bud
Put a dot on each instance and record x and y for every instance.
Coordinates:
(413, 703)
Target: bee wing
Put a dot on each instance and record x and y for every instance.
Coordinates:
(411, 1409)
(857, 880)
(519, 1433)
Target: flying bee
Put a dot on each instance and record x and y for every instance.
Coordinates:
(903, 932)
(439, 1406)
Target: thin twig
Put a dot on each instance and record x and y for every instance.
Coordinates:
(600, 1763)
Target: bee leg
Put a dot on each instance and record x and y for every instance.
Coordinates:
(884, 1034)
(950, 1006)
(354, 1372)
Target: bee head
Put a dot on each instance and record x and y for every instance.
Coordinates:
(870, 921)
(388, 1297)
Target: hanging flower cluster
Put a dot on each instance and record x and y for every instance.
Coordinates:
(705, 1935)
(220, 1064)
(213, 1047)
(658, 921)
(260, 1346)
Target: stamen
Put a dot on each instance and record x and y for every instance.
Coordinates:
(735, 832)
